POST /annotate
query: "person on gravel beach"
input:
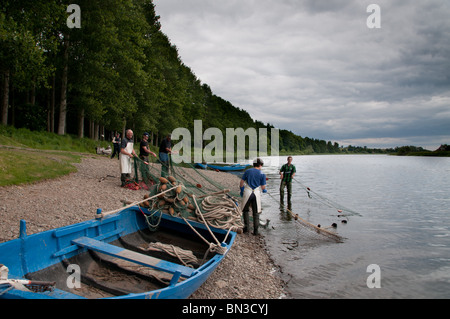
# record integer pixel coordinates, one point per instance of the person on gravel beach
(164, 150)
(126, 155)
(144, 150)
(116, 145)
(253, 182)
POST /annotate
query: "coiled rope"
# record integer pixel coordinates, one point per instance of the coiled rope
(186, 257)
(222, 212)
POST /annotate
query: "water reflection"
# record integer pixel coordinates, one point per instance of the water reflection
(404, 227)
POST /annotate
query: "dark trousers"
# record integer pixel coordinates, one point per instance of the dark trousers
(116, 150)
(251, 201)
(288, 185)
(165, 161)
(144, 158)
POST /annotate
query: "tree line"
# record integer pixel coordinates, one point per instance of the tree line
(117, 70)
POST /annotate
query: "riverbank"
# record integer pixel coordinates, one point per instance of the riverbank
(247, 271)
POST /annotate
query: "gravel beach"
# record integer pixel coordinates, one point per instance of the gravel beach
(246, 273)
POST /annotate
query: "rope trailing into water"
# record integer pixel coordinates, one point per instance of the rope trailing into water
(324, 233)
(328, 202)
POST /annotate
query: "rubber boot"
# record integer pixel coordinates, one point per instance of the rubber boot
(255, 224)
(246, 221)
(123, 179)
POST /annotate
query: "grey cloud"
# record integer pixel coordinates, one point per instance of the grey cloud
(314, 67)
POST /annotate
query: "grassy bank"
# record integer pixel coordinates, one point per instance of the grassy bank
(22, 166)
(28, 157)
(47, 141)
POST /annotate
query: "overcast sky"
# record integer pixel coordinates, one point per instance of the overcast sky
(315, 68)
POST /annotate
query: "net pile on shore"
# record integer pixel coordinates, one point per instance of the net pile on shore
(194, 198)
(202, 199)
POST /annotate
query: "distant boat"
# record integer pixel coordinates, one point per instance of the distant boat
(225, 167)
(113, 259)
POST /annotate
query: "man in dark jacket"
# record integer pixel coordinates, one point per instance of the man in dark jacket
(165, 149)
(144, 149)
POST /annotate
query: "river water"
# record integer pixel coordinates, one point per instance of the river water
(398, 219)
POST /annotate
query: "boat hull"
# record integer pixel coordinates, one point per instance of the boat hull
(30, 256)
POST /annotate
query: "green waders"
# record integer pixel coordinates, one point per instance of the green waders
(288, 185)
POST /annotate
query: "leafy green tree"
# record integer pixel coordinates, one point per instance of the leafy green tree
(22, 52)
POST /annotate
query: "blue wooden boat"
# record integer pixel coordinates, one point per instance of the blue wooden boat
(106, 256)
(224, 168)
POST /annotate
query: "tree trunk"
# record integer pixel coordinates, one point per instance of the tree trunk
(5, 97)
(52, 105)
(124, 128)
(91, 129)
(63, 105)
(33, 95)
(12, 104)
(81, 124)
(95, 131)
(48, 111)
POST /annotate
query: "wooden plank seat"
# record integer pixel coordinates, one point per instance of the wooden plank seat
(115, 251)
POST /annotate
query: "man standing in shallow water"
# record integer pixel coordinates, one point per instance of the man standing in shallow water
(287, 173)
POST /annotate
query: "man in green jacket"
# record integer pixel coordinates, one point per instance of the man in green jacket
(287, 173)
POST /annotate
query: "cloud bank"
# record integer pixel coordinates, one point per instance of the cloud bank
(315, 68)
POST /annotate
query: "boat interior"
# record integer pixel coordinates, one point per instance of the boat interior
(104, 272)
